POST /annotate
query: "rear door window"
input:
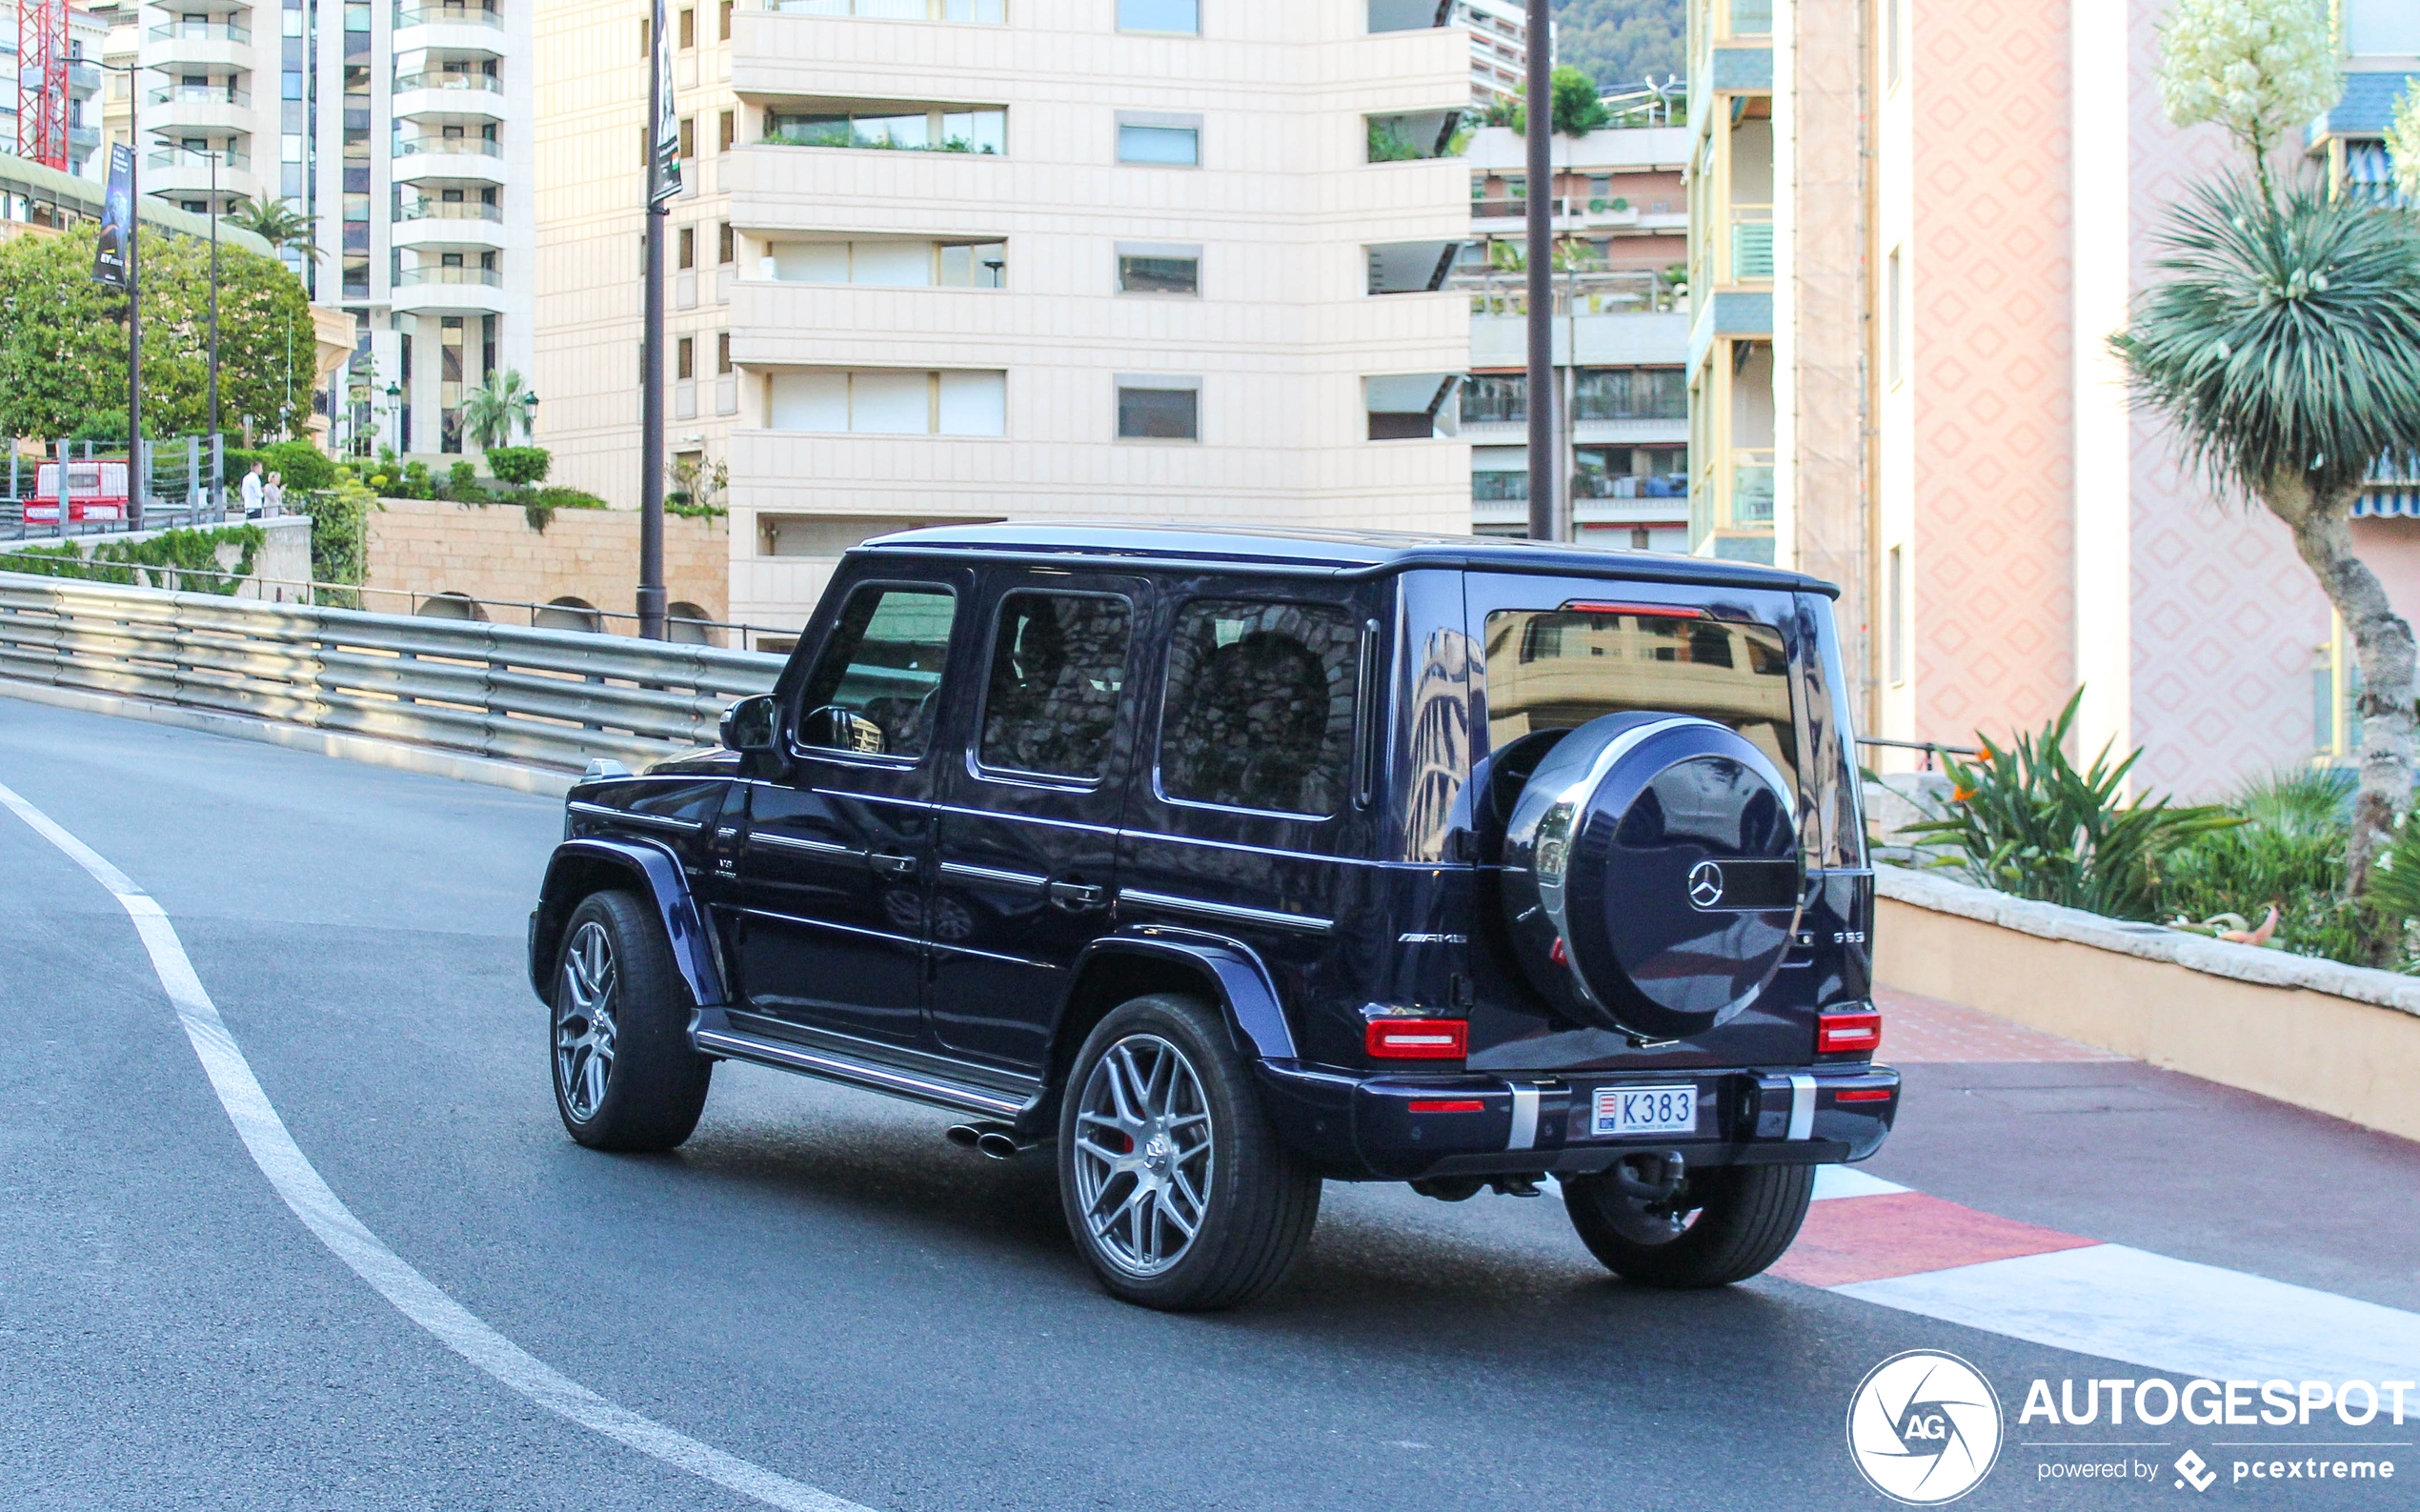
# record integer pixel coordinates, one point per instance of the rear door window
(1059, 667)
(1558, 669)
(1259, 705)
(876, 688)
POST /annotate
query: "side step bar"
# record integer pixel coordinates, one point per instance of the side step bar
(942, 1092)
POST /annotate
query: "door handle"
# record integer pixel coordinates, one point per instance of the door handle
(892, 864)
(1077, 898)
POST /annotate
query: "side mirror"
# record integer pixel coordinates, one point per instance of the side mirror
(748, 725)
(833, 727)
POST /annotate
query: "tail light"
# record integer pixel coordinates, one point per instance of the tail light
(1418, 1039)
(1861, 1094)
(1449, 1105)
(1846, 1034)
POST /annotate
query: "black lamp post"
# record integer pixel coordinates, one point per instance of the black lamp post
(395, 412)
(1538, 121)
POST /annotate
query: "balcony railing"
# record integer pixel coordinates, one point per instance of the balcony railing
(200, 94)
(446, 15)
(479, 83)
(186, 158)
(1751, 242)
(450, 209)
(1752, 486)
(1600, 291)
(447, 146)
(412, 277)
(1743, 19)
(983, 132)
(986, 13)
(202, 31)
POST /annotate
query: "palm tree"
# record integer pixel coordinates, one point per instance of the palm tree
(493, 410)
(2283, 348)
(275, 222)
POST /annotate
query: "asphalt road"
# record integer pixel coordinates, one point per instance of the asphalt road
(817, 1282)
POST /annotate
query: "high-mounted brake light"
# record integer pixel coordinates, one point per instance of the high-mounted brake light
(1590, 606)
(1418, 1039)
(1842, 1032)
(1861, 1094)
(1450, 1106)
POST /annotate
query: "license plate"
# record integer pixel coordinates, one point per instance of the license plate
(1646, 1110)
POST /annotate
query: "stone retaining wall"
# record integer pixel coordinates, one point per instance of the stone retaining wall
(489, 552)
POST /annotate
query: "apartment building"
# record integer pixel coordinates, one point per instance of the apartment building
(1621, 333)
(1901, 380)
(405, 130)
(82, 34)
(956, 259)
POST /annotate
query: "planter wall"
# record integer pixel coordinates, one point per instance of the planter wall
(2338, 1040)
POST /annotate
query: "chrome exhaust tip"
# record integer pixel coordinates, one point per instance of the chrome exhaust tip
(999, 1140)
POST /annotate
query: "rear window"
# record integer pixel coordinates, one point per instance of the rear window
(1558, 669)
(1259, 706)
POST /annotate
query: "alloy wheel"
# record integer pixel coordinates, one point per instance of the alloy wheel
(1143, 1155)
(584, 1020)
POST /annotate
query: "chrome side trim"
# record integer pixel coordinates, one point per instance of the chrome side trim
(794, 842)
(606, 810)
(958, 872)
(1801, 1107)
(1524, 1118)
(832, 1067)
(1306, 923)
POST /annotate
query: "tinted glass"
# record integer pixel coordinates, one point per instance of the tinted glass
(1159, 15)
(1158, 275)
(1557, 670)
(1179, 145)
(1058, 664)
(1259, 706)
(883, 665)
(1159, 414)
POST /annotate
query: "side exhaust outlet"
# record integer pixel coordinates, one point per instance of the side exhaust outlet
(997, 1140)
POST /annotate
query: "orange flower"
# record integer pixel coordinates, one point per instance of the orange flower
(1961, 794)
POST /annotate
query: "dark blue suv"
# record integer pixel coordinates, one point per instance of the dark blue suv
(1225, 862)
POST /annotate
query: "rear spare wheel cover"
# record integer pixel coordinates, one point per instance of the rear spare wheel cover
(1651, 874)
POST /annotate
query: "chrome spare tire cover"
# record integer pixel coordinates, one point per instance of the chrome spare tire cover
(1651, 876)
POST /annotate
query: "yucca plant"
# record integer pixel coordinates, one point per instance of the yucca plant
(2024, 819)
(2289, 854)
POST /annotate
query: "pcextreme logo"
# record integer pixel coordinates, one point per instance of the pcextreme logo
(1924, 1427)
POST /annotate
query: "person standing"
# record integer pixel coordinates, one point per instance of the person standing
(273, 496)
(253, 487)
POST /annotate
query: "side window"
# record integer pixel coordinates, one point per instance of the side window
(1058, 664)
(875, 689)
(1259, 706)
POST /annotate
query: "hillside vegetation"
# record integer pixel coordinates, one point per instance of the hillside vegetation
(1618, 42)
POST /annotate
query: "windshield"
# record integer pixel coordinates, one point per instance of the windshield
(1558, 669)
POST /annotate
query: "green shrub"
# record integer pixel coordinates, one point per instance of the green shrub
(2024, 821)
(186, 560)
(461, 485)
(301, 466)
(340, 541)
(538, 505)
(519, 465)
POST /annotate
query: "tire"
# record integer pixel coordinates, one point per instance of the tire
(1149, 1074)
(625, 1076)
(1745, 1217)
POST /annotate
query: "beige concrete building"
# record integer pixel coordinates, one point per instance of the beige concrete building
(1117, 258)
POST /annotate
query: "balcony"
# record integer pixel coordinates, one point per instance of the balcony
(448, 224)
(468, 96)
(471, 159)
(452, 29)
(203, 31)
(217, 109)
(179, 157)
(976, 130)
(451, 290)
(1743, 20)
(84, 79)
(986, 13)
(1414, 136)
(1749, 246)
(1408, 15)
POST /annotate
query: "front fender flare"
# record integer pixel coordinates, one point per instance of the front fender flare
(1251, 998)
(652, 872)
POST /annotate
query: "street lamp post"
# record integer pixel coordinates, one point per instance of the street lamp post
(1538, 122)
(217, 450)
(134, 479)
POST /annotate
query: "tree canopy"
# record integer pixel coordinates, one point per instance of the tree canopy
(63, 340)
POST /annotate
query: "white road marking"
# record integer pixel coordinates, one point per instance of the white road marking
(2165, 1314)
(417, 1298)
(1841, 1180)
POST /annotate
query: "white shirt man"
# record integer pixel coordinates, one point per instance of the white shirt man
(251, 493)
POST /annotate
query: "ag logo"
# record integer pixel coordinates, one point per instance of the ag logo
(1924, 1427)
(1705, 884)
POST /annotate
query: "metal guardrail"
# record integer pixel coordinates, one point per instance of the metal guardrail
(550, 698)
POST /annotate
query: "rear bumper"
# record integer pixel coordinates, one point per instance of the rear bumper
(1396, 1127)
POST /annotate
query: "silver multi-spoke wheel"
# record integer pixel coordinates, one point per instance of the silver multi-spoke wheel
(1143, 1155)
(584, 1020)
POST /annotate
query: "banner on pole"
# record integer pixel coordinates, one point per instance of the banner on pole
(666, 166)
(118, 219)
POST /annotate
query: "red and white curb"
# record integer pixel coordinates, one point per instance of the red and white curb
(1882, 1242)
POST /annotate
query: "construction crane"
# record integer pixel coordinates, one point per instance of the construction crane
(42, 82)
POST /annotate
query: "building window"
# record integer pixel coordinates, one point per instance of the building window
(722, 351)
(890, 402)
(1630, 393)
(689, 247)
(983, 131)
(689, 29)
(1168, 141)
(723, 243)
(960, 264)
(685, 358)
(728, 132)
(1144, 270)
(1157, 409)
(1894, 603)
(1180, 16)
(688, 136)
(1894, 322)
(725, 33)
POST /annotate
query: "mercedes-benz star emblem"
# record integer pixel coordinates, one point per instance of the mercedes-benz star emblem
(1705, 884)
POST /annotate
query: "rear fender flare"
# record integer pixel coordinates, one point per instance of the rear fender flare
(1250, 998)
(652, 871)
